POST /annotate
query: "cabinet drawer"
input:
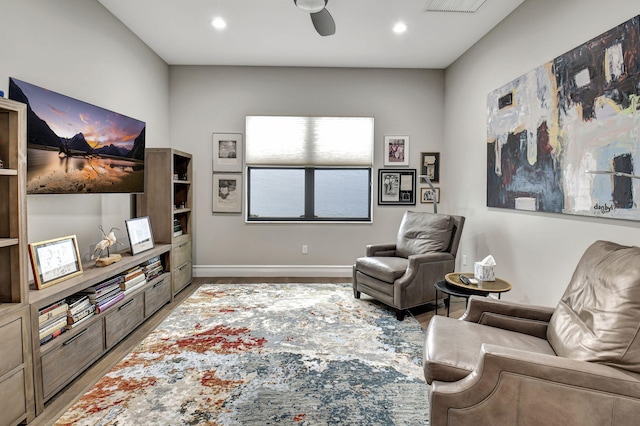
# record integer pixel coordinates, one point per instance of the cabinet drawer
(123, 319)
(11, 348)
(65, 362)
(181, 277)
(13, 404)
(157, 295)
(181, 253)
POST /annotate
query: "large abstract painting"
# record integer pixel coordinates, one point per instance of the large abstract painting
(565, 137)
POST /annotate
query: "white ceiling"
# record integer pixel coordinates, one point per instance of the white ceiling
(277, 33)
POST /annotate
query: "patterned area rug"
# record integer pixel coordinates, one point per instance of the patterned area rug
(262, 354)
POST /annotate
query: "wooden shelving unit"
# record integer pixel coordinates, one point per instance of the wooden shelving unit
(16, 379)
(168, 200)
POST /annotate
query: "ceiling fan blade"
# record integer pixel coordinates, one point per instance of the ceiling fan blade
(323, 23)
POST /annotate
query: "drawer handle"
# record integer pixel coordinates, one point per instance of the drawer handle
(75, 337)
(182, 267)
(158, 284)
(182, 245)
(125, 305)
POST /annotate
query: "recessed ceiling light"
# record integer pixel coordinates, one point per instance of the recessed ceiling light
(218, 23)
(399, 28)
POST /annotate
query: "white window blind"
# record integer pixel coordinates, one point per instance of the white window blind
(309, 141)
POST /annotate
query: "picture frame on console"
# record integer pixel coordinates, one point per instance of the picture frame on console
(140, 234)
(397, 187)
(55, 260)
(227, 152)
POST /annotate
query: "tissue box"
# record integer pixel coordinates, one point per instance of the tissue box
(484, 272)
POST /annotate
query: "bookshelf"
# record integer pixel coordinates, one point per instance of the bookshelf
(16, 381)
(59, 361)
(168, 202)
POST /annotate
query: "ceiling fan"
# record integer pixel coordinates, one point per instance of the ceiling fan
(320, 16)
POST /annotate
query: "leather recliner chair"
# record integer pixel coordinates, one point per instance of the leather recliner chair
(504, 363)
(402, 274)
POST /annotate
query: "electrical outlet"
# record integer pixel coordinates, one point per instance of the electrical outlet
(464, 260)
(305, 249)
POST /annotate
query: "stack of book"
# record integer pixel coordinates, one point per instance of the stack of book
(80, 309)
(177, 228)
(132, 279)
(106, 294)
(52, 321)
(152, 268)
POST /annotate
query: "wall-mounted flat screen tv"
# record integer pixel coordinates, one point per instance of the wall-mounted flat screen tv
(76, 148)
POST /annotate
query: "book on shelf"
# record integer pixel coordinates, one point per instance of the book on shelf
(52, 336)
(71, 319)
(154, 273)
(101, 287)
(133, 282)
(62, 322)
(154, 259)
(97, 299)
(48, 324)
(132, 273)
(51, 306)
(80, 321)
(109, 303)
(53, 313)
(153, 265)
(132, 288)
(79, 308)
(76, 300)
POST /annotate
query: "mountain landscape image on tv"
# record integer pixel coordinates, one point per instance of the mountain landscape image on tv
(75, 147)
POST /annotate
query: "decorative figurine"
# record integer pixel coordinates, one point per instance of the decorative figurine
(105, 244)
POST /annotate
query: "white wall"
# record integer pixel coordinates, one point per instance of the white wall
(536, 252)
(77, 48)
(208, 99)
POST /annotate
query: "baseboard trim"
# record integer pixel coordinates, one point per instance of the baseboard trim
(272, 270)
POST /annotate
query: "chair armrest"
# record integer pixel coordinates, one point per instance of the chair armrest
(417, 260)
(381, 250)
(528, 319)
(519, 384)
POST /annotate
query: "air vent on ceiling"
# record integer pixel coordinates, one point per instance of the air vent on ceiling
(463, 6)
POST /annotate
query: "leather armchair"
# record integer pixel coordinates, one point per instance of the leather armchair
(402, 274)
(576, 364)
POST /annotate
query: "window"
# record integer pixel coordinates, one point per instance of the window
(309, 168)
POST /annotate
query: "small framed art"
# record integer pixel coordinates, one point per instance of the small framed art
(227, 193)
(397, 187)
(227, 152)
(140, 234)
(396, 150)
(55, 260)
(430, 166)
(429, 196)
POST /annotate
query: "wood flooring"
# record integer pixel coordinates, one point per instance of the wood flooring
(59, 404)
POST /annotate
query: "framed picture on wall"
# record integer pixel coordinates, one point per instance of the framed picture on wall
(227, 152)
(397, 187)
(396, 150)
(428, 196)
(430, 166)
(227, 193)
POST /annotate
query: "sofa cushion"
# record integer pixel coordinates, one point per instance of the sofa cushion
(598, 317)
(422, 232)
(453, 347)
(387, 269)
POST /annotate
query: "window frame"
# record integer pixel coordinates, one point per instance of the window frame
(309, 197)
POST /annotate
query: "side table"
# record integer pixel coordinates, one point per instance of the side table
(452, 286)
